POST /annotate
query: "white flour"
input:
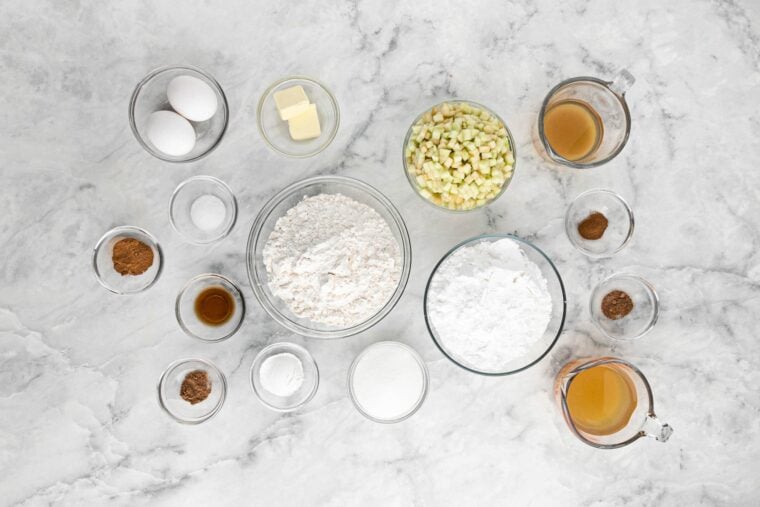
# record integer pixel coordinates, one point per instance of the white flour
(333, 260)
(489, 304)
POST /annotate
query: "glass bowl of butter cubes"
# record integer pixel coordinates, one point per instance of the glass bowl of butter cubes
(298, 116)
(459, 156)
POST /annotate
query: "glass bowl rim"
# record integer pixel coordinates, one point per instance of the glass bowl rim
(628, 211)
(414, 183)
(264, 214)
(285, 346)
(333, 101)
(136, 93)
(173, 365)
(649, 288)
(495, 236)
(425, 382)
(193, 281)
(112, 232)
(213, 179)
(556, 158)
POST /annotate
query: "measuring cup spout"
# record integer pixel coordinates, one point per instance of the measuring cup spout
(656, 429)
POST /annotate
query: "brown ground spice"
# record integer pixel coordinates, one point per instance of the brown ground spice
(195, 387)
(131, 257)
(616, 305)
(593, 226)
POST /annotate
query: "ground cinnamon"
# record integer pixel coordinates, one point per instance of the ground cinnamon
(616, 305)
(131, 257)
(593, 226)
(195, 387)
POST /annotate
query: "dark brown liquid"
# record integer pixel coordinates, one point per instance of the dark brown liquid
(573, 129)
(214, 306)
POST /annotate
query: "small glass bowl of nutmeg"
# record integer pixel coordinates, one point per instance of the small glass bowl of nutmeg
(599, 223)
(127, 260)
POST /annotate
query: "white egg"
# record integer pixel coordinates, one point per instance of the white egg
(171, 133)
(192, 98)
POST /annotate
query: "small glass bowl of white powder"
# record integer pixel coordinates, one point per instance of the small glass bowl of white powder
(328, 257)
(284, 376)
(203, 209)
(495, 304)
(388, 382)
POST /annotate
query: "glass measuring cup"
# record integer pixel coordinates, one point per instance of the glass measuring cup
(605, 102)
(642, 421)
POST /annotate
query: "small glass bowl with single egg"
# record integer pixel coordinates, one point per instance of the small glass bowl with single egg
(178, 113)
(203, 210)
(277, 132)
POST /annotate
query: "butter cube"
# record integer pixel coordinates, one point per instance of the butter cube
(305, 125)
(291, 102)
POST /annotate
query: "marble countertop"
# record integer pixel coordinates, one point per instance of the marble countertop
(79, 418)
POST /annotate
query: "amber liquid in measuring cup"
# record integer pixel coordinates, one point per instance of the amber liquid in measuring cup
(573, 129)
(601, 400)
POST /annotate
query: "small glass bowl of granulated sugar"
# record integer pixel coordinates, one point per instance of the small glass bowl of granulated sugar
(203, 209)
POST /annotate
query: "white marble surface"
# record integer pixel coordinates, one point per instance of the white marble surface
(79, 420)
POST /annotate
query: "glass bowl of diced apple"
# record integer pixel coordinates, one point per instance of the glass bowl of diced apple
(459, 155)
(298, 116)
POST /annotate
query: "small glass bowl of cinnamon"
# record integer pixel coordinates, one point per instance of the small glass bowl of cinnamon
(192, 390)
(624, 306)
(599, 223)
(127, 260)
(210, 308)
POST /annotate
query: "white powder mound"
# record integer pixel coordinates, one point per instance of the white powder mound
(489, 304)
(333, 260)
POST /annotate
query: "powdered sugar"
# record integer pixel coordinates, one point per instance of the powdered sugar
(489, 304)
(333, 260)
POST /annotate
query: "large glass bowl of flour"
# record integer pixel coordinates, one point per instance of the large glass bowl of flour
(495, 304)
(333, 191)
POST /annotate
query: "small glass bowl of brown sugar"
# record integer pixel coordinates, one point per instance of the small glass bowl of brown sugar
(127, 260)
(192, 390)
(210, 308)
(624, 306)
(599, 223)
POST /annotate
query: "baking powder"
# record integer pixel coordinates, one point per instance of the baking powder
(489, 304)
(333, 260)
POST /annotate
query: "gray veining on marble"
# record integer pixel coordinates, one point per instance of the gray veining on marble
(79, 419)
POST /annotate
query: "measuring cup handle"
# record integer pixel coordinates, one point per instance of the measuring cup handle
(622, 82)
(656, 429)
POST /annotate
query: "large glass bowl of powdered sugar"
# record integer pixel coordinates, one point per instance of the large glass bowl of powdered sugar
(495, 304)
(328, 257)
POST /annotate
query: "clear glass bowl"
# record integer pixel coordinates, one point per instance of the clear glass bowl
(102, 261)
(284, 201)
(559, 307)
(189, 321)
(310, 378)
(169, 391)
(413, 409)
(275, 131)
(181, 203)
(619, 228)
(150, 96)
(643, 317)
(411, 179)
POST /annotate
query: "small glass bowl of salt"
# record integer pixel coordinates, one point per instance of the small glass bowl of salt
(203, 209)
(284, 376)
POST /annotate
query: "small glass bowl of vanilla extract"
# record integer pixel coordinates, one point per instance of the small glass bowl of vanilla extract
(210, 308)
